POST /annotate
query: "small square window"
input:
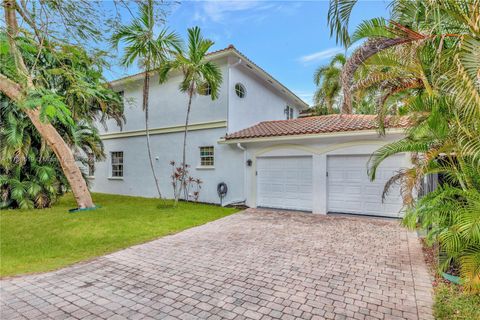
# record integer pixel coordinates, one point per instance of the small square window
(117, 164)
(91, 164)
(207, 156)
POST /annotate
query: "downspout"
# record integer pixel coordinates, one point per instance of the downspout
(239, 146)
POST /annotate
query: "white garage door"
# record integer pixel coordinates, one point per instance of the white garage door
(351, 191)
(285, 183)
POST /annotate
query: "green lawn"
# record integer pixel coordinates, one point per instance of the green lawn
(42, 240)
(453, 304)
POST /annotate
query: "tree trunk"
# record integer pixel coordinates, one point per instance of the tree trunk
(182, 180)
(367, 50)
(47, 131)
(146, 89)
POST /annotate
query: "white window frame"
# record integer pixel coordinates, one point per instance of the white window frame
(289, 111)
(204, 163)
(237, 92)
(122, 164)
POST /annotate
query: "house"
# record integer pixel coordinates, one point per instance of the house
(252, 140)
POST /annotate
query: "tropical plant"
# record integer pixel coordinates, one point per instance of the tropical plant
(198, 73)
(151, 51)
(72, 97)
(424, 62)
(53, 28)
(327, 80)
(191, 186)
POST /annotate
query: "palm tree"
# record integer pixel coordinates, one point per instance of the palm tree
(15, 91)
(426, 57)
(198, 73)
(151, 51)
(327, 80)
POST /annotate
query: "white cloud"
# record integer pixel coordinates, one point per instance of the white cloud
(321, 55)
(217, 10)
(225, 10)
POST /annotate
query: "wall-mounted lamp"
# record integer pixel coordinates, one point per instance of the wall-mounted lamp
(249, 162)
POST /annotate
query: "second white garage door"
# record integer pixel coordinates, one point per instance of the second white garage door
(351, 191)
(285, 183)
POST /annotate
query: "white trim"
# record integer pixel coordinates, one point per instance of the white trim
(252, 66)
(205, 168)
(115, 178)
(165, 130)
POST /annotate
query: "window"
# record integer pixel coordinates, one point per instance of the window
(206, 157)
(117, 164)
(289, 112)
(205, 90)
(240, 90)
(91, 164)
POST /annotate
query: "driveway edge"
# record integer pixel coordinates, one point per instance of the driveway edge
(421, 277)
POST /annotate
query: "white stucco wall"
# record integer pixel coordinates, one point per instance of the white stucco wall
(261, 103)
(138, 180)
(319, 149)
(167, 112)
(167, 105)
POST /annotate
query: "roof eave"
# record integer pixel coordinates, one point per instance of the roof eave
(309, 136)
(218, 55)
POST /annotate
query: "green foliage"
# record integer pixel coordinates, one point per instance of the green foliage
(451, 216)
(425, 64)
(70, 94)
(51, 106)
(141, 43)
(327, 80)
(47, 239)
(197, 72)
(30, 176)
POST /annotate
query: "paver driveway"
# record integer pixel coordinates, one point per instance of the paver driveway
(257, 265)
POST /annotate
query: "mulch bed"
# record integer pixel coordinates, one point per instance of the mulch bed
(431, 259)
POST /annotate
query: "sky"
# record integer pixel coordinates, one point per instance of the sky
(288, 39)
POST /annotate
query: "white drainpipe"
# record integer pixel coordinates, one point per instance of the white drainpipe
(239, 146)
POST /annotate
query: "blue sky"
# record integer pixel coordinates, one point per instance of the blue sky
(289, 39)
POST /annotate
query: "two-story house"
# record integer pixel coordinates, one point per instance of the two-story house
(251, 140)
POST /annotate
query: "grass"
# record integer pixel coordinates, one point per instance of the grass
(48, 239)
(451, 303)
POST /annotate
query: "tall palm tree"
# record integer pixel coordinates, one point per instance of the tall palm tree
(150, 51)
(198, 73)
(427, 56)
(327, 80)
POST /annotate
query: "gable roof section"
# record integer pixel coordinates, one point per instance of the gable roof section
(231, 50)
(316, 125)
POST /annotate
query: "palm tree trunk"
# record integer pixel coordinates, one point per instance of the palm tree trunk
(146, 89)
(367, 50)
(47, 131)
(182, 179)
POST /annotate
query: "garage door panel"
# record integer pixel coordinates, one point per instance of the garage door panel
(285, 182)
(351, 191)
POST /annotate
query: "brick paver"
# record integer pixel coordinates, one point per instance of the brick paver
(258, 264)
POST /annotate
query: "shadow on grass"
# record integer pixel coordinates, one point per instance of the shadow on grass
(167, 206)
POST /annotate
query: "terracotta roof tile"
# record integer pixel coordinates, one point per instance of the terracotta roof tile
(315, 125)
